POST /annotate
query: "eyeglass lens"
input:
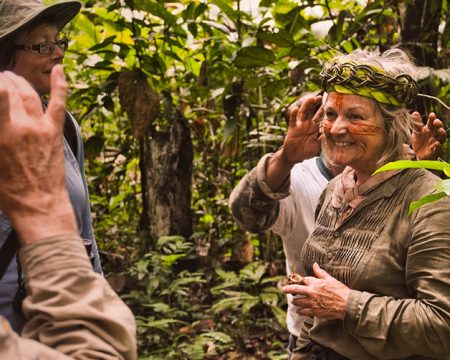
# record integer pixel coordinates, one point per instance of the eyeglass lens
(48, 47)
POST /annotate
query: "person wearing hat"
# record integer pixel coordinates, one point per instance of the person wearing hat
(72, 312)
(30, 46)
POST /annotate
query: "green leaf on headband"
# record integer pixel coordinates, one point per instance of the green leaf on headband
(383, 97)
(342, 89)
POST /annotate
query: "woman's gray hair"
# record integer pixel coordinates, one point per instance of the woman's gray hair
(397, 119)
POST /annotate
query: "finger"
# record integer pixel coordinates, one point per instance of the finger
(302, 302)
(4, 101)
(295, 290)
(431, 118)
(305, 312)
(294, 104)
(439, 131)
(417, 123)
(309, 108)
(318, 116)
(441, 135)
(58, 95)
(319, 272)
(293, 117)
(26, 94)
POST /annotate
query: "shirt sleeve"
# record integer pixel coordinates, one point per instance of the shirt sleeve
(419, 325)
(253, 204)
(72, 309)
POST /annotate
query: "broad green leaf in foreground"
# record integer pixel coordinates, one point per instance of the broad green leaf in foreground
(443, 187)
(411, 164)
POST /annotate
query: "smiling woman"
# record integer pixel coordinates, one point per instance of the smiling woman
(376, 278)
(354, 133)
(375, 274)
(31, 62)
(30, 46)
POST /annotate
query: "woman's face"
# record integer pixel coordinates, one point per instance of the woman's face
(36, 67)
(354, 131)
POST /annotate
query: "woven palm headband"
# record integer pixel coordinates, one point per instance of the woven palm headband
(349, 77)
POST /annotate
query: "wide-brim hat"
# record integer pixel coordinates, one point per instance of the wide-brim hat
(16, 14)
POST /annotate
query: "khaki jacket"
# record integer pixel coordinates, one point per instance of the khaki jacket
(397, 266)
(72, 312)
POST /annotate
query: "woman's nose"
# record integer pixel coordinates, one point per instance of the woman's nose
(339, 126)
(58, 53)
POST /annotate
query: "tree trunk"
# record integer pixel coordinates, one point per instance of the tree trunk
(166, 156)
(166, 170)
(419, 29)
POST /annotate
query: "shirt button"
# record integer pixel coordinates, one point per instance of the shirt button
(330, 255)
(336, 234)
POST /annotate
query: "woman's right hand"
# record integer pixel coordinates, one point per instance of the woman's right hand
(302, 139)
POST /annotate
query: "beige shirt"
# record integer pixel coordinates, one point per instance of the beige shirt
(72, 312)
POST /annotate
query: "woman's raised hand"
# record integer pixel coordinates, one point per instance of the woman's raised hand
(302, 139)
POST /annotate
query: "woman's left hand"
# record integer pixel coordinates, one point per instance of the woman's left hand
(321, 295)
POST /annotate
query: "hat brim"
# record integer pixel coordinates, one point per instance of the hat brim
(61, 13)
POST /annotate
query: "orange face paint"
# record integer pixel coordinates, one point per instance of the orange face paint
(359, 129)
(354, 129)
(338, 100)
(326, 126)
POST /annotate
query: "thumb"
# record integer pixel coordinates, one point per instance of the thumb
(58, 96)
(319, 272)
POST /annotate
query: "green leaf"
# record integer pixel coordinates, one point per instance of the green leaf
(201, 8)
(218, 336)
(279, 314)
(253, 56)
(104, 43)
(252, 272)
(411, 164)
(226, 9)
(425, 200)
(159, 11)
(443, 186)
(281, 38)
(340, 24)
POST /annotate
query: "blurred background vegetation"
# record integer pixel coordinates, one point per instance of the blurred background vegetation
(177, 100)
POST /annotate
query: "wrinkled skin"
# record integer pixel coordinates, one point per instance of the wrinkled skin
(32, 162)
(427, 140)
(35, 67)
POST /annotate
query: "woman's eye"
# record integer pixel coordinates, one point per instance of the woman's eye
(330, 114)
(354, 117)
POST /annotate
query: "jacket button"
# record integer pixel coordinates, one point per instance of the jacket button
(336, 234)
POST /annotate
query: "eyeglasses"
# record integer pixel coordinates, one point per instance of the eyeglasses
(46, 47)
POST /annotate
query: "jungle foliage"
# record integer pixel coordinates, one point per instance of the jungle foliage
(149, 76)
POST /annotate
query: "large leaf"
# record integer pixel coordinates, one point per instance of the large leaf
(410, 164)
(253, 56)
(425, 200)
